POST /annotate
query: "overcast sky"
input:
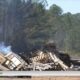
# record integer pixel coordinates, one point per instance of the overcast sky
(72, 6)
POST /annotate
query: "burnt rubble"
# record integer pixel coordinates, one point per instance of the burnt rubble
(49, 58)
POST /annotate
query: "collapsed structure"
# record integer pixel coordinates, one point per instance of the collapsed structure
(49, 58)
(11, 61)
(52, 58)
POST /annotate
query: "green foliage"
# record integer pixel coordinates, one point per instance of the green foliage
(27, 25)
(55, 10)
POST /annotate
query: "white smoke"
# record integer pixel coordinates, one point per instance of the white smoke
(5, 49)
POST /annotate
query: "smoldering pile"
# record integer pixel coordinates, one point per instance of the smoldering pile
(49, 58)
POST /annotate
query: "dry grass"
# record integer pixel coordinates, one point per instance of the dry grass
(43, 78)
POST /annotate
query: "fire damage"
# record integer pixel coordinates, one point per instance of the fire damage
(46, 59)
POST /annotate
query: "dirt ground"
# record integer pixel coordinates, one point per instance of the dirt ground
(43, 78)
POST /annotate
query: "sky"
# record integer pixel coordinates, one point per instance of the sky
(72, 6)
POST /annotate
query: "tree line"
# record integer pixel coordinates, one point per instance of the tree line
(26, 25)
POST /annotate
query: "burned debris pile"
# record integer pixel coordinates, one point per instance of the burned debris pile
(49, 58)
